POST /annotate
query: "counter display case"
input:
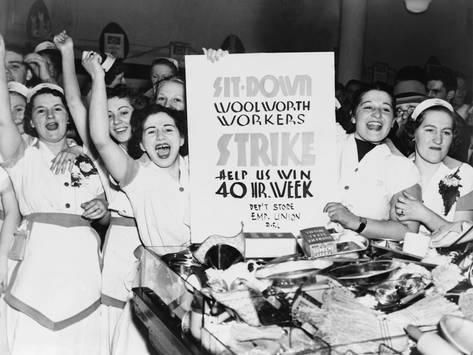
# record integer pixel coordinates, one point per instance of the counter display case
(162, 304)
(188, 309)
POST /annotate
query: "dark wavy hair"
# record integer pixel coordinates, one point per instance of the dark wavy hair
(138, 120)
(28, 127)
(369, 87)
(346, 115)
(120, 91)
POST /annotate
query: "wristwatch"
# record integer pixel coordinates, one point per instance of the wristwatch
(362, 226)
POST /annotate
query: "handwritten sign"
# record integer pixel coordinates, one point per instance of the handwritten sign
(261, 142)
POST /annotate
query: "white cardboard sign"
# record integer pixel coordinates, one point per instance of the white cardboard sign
(261, 142)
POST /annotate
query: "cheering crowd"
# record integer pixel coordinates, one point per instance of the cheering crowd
(80, 161)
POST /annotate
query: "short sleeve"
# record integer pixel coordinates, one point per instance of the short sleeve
(465, 201)
(466, 175)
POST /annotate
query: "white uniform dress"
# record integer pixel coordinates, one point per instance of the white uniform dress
(119, 262)
(160, 205)
(54, 292)
(4, 185)
(430, 188)
(367, 187)
(161, 208)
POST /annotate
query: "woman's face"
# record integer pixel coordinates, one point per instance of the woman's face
(49, 117)
(17, 109)
(374, 116)
(160, 72)
(161, 139)
(434, 136)
(171, 95)
(119, 115)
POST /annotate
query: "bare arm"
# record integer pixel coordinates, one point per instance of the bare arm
(115, 159)
(11, 142)
(374, 229)
(10, 223)
(463, 216)
(411, 208)
(71, 86)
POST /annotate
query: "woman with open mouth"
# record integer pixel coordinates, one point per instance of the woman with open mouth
(446, 182)
(372, 173)
(156, 184)
(53, 296)
(121, 238)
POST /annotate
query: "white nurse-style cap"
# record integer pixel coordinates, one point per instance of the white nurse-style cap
(38, 87)
(426, 104)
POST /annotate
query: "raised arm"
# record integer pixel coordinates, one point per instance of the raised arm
(10, 139)
(71, 86)
(115, 158)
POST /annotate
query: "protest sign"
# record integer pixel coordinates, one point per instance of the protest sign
(261, 142)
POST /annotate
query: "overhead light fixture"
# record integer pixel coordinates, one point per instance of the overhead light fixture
(417, 6)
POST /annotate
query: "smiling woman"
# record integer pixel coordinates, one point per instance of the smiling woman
(53, 295)
(48, 114)
(372, 173)
(156, 184)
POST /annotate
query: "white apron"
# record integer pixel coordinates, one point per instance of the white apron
(119, 265)
(58, 282)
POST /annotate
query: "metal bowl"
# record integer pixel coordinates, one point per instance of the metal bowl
(369, 273)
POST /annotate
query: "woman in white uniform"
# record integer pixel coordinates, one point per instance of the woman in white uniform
(156, 184)
(122, 235)
(54, 292)
(372, 173)
(446, 182)
(9, 220)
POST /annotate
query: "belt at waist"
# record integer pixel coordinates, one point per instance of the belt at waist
(66, 220)
(123, 221)
(60, 219)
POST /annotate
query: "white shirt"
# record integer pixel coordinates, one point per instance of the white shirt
(38, 189)
(367, 187)
(160, 205)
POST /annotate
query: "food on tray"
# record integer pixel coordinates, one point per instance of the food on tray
(387, 293)
(241, 302)
(241, 274)
(446, 277)
(428, 310)
(244, 339)
(365, 330)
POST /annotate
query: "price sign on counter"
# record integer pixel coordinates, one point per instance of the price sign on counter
(261, 142)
